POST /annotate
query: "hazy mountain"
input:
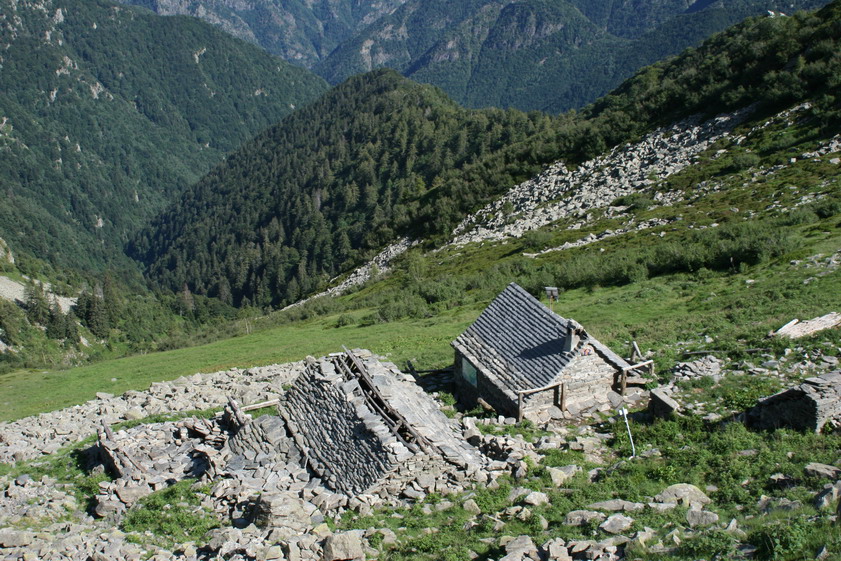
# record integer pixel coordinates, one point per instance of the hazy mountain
(301, 31)
(535, 54)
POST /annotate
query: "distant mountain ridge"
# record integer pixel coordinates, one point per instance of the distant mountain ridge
(547, 55)
(299, 31)
(535, 54)
(107, 112)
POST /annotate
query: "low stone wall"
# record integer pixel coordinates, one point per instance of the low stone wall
(812, 405)
(46, 433)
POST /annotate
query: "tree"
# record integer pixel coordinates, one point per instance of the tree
(35, 303)
(57, 322)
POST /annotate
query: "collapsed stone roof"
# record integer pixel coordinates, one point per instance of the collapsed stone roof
(522, 342)
(358, 421)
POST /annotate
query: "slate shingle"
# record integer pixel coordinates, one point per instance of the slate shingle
(524, 337)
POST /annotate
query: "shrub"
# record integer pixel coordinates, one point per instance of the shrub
(173, 514)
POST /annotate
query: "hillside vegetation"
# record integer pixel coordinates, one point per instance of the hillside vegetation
(107, 113)
(380, 157)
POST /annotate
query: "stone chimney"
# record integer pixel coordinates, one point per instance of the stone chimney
(570, 341)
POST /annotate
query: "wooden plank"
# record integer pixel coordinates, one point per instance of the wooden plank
(256, 406)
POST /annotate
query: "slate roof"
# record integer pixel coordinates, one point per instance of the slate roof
(520, 341)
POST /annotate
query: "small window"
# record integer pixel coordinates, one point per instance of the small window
(468, 372)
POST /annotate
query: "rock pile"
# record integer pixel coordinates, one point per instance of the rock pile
(381, 263)
(560, 193)
(708, 366)
(270, 477)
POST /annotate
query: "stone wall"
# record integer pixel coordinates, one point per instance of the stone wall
(813, 405)
(350, 446)
(588, 379)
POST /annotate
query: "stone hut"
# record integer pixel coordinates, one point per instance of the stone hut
(364, 427)
(519, 356)
(810, 406)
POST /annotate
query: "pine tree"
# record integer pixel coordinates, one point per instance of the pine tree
(57, 322)
(35, 303)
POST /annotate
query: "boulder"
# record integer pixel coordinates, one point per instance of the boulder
(700, 518)
(616, 505)
(344, 546)
(823, 470)
(683, 493)
(562, 474)
(616, 524)
(285, 510)
(536, 498)
(661, 405)
(15, 538)
(519, 548)
(581, 517)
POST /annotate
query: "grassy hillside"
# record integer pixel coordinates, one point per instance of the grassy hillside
(108, 112)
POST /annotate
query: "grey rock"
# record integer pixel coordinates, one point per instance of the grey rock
(616, 505)
(10, 537)
(661, 405)
(581, 517)
(562, 474)
(536, 498)
(683, 493)
(344, 546)
(816, 469)
(701, 518)
(617, 523)
(556, 550)
(472, 507)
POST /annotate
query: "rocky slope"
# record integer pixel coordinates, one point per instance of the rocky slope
(269, 506)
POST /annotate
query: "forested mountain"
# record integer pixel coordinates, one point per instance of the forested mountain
(380, 157)
(107, 112)
(315, 193)
(300, 31)
(535, 54)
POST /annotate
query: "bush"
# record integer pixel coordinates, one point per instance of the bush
(635, 201)
(711, 544)
(173, 514)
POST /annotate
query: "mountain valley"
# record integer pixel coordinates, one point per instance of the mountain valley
(684, 218)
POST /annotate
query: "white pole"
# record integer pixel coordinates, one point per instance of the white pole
(625, 416)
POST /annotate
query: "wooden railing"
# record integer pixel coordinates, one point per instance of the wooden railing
(623, 380)
(558, 399)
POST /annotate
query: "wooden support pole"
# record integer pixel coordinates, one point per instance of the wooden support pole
(255, 406)
(519, 406)
(623, 382)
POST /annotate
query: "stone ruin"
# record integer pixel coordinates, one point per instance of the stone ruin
(351, 432)
(813, 405)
